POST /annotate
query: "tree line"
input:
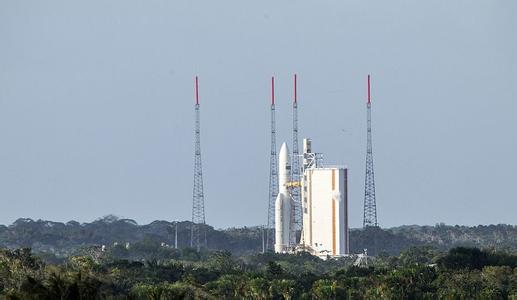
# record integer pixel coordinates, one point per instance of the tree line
(148, 270)
(64, 239)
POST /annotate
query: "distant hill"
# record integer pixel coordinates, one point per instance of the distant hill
(441, 236)
(63, 239)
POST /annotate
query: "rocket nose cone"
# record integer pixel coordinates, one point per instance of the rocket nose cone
(283, 149)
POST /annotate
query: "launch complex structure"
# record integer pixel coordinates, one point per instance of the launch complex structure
(197, 229)
(324, 203)
(370, 205)
(308, 200)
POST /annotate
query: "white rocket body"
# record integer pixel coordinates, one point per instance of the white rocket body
(284, 203)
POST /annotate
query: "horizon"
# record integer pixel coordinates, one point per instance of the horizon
(120, 218)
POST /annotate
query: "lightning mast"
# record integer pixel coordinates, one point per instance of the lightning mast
(295, 162)
(198, 197)
(273, 176)
(370, 206)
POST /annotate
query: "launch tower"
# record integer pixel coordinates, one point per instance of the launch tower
(295, 161)
(370, 206)
(273, 176)
(197, 232)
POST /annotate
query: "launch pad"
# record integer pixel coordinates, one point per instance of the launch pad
(324, 203)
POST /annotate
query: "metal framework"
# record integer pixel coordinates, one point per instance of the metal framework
(312, 160)
(295, 169)
(273, 176)
(197, 232)
(370, 206)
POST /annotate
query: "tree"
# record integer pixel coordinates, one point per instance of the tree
(274, 270)
(418, 256)
(327, 289)
(257, 288)
(497, 281)
(466, 284)
(285, 288)
(464, 258)
(226, 287)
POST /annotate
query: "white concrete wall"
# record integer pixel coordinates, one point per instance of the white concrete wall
(325, 226)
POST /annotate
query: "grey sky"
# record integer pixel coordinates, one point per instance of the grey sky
(96, 105)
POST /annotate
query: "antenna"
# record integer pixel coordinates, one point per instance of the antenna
(273, 176)
(370, 205)
(197, 91)
(198, 197)
(295, 171)
(369, 97)
(273, 90)
(295, 91)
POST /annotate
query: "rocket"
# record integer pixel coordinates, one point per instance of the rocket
(284, 203)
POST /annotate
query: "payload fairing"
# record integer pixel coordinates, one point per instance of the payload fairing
(284, 204)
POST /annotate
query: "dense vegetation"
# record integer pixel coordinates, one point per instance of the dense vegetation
(158, 272)
(115, 258)
(64, 239)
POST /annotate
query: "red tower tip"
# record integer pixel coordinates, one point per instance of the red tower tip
(369, 99)
(197, 92)
(295, 96)
(272, 90)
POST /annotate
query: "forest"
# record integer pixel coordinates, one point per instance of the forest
(113, 258)
(149, 270)
(61, 240)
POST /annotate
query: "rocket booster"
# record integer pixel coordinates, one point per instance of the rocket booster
(284, 170)
(284, 203)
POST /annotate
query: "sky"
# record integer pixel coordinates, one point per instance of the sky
(97, 106)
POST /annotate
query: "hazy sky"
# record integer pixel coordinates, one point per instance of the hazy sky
(96, 105)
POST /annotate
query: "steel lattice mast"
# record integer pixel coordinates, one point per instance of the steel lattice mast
(370, 206)
(197, 232)
(295, 162)
(273, 176)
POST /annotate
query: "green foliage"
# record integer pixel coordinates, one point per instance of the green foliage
(464, 258)
(418, 256)
(462, 273)
(226, 287)
(284, 288)
(164, 290)
(328, 289)
(473, 258)
(257, 288)
(274, 270)
(56, 241)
